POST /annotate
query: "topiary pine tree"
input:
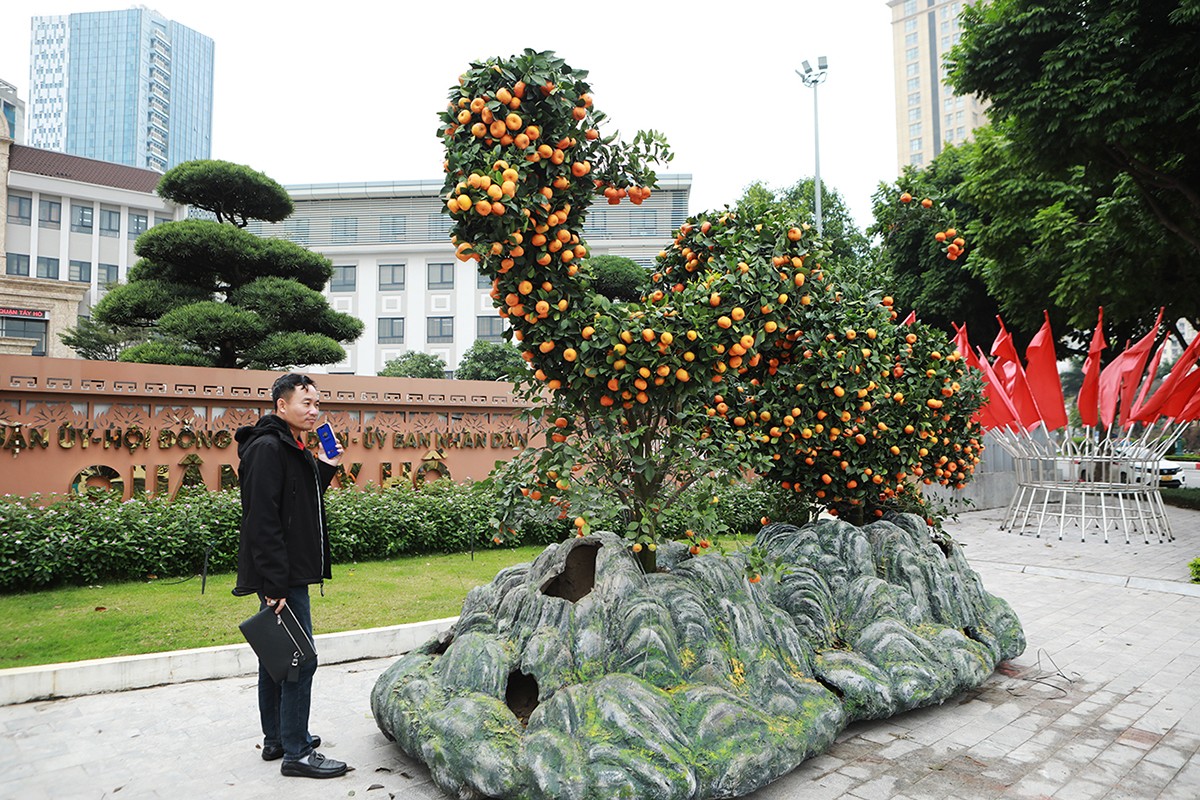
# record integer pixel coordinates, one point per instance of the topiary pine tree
(213, 294)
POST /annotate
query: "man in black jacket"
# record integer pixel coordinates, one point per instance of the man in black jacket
(285, 548)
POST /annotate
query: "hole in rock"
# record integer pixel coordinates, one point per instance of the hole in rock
(944, 544)
(578, 576)
(971, 632)
(443, 644)
(521, 695)
(837, 691)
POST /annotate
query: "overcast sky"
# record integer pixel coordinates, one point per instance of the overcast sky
(327, 92)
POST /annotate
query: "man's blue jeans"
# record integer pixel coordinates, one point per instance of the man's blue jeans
(284, 706)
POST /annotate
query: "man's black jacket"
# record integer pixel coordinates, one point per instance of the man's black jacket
(283, 541)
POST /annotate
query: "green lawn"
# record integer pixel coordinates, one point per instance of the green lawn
(76, 623)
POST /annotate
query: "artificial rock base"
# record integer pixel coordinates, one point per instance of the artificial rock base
(578, 676)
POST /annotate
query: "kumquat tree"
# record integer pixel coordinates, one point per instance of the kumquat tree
(589, 674)
(744, 353)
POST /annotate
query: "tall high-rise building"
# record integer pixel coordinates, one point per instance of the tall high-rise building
(928, 113)
(131, 87)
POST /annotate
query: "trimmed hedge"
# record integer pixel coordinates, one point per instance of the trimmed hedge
(1184, 498)
(85, 540)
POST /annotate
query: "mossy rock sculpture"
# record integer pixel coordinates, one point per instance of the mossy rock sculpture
(578, 676)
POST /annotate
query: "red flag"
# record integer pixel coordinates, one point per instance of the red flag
(963, 345)
(998, 411)
(1150, 411)
(1089, 393)
(1044, 382)
(1191, 411)
(911, 318)
(1110, 386)
(1183, 398)
(1012, 378)
(1131, 378)
(1150, 373)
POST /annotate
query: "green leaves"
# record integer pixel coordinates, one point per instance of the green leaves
(234, 192)
(414, 364)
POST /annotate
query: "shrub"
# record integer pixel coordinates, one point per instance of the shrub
(85, 540)
(1184, 498)
(617, 277)
(1194, 566)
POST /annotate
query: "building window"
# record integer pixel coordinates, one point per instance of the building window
(910, 7)
(483, 281)
(910, 40)
(345, 229)
(489, 328)
(441, 276)
(81, 218)
(137, 225)
(26, 329)
(910, 25)
(915, 144)
(914, 98)
(110, 222)
(914, 129)
(47, 267)
(49, 214)
(107, 274)
(911, 54)
(17, 264)
(80, 271)
(391, 277)
(159, 220)
(345, 279)
(912, 69)
(914, 114)
(439, 330)
(391, 330)
(393, 228)
(20, 209)
(914, 84)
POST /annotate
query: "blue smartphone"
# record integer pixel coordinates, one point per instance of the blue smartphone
(328, 440)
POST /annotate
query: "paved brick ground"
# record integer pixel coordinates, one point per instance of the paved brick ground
(1105, 703)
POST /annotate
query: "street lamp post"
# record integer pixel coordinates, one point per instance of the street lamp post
(813, 77)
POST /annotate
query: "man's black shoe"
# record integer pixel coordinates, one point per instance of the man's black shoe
(271, 752)
(313, 765)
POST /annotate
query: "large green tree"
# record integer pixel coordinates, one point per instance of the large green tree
(1109, 86)
(414, 364)
(491, 361)
(210, 293)
(919, 274)
(1068, 241)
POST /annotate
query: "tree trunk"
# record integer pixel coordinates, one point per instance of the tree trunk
(648, 559)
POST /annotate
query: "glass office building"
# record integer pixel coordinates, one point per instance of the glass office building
(129, 87)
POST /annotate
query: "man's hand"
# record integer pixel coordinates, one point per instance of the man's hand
(333, 462)
(275, 603)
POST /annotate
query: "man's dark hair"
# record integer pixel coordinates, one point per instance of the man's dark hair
(285, 385)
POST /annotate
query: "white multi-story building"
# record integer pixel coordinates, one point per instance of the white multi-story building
(928, 114)
(68, 232)
(394, 266)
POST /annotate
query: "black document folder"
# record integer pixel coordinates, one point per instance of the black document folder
(279, 642)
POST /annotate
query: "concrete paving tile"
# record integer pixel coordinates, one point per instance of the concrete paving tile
(1168, 756)
(1080, 789)
(881, 788)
